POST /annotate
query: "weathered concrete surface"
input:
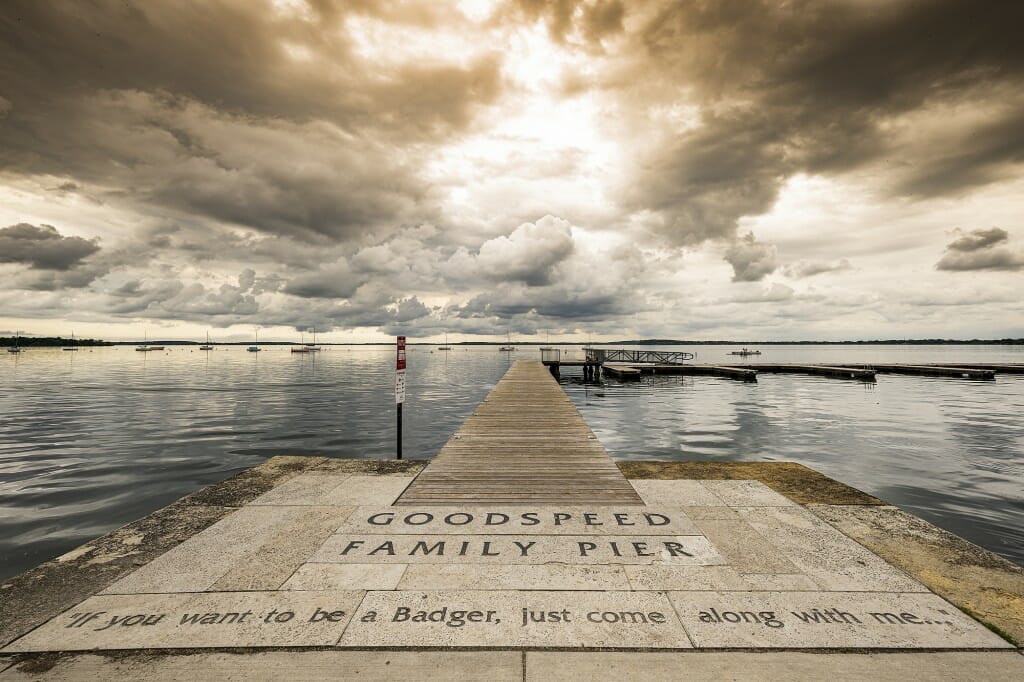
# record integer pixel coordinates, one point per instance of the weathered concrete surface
(43, 592)
(273, 666)
(266, 533)
(795, 481)
(536, 619)
(513, 666)
(207, 619)
(791, 665)
(827, 620)
(985, 585)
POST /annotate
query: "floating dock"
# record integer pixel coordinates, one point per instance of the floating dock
(313, 568)
(633, 364)
(959, 372)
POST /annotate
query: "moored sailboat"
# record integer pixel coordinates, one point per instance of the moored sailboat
(312, 347)
(302, 347)
(206, 346)
(144, 347)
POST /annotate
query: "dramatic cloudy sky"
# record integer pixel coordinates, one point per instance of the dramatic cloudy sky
(589, 168)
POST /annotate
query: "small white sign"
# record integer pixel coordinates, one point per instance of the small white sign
(399, 386)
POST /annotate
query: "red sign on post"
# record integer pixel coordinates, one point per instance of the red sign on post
(400, 372)
(400, 362)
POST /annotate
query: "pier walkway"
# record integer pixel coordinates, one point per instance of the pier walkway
(524, 444)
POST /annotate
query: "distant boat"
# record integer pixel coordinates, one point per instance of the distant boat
(304, 348)
(508, 347)
(445, 346)
(16, 348)
(256, 348)
(312, 347)
(206, 346)
(144, 347)
(72, 346)
(745, 352)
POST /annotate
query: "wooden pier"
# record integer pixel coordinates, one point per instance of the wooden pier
(524, 444)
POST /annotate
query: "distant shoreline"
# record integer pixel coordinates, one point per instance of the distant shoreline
(49, 342)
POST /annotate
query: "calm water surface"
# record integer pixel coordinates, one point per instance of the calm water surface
(95, 439)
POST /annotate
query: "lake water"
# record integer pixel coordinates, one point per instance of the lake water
(95, 439)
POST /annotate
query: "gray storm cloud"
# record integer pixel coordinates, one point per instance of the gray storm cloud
(43, 247)
(981, 250)
(751, 260)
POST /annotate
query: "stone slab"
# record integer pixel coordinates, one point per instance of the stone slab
(277, 559)
(203, 620)
(747, 494)
(831, 559)
(736, 666)
(986, 585)
(274, 666)
(496, 619)
(546, 520)
(674, 494)
(345, 577)
(719, 513)
(518, 577)
(197, 563)
(305, 489)
(808, 620)
(518, 549)
(795, 481)
(744, 548)
(665, 578)
(367, 490)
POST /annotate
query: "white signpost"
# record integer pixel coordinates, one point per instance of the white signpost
(400, 387)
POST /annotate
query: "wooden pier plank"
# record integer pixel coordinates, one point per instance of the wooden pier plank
(525, 443)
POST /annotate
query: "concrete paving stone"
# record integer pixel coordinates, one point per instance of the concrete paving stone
(535, 520)
(203, 620)
(779, 582)
(273, 666)
(304, 490)
(665, 578)
(368, 490)
(273, 562)
(806, 620)
(831, 559)
(345, 577)
(516, 577)
(717, 513)
(737, 666)
(747, 494)
(496, 619)
(518, 549)
(745, 549)
(197, 563)
(678, 493)
(988, 586)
